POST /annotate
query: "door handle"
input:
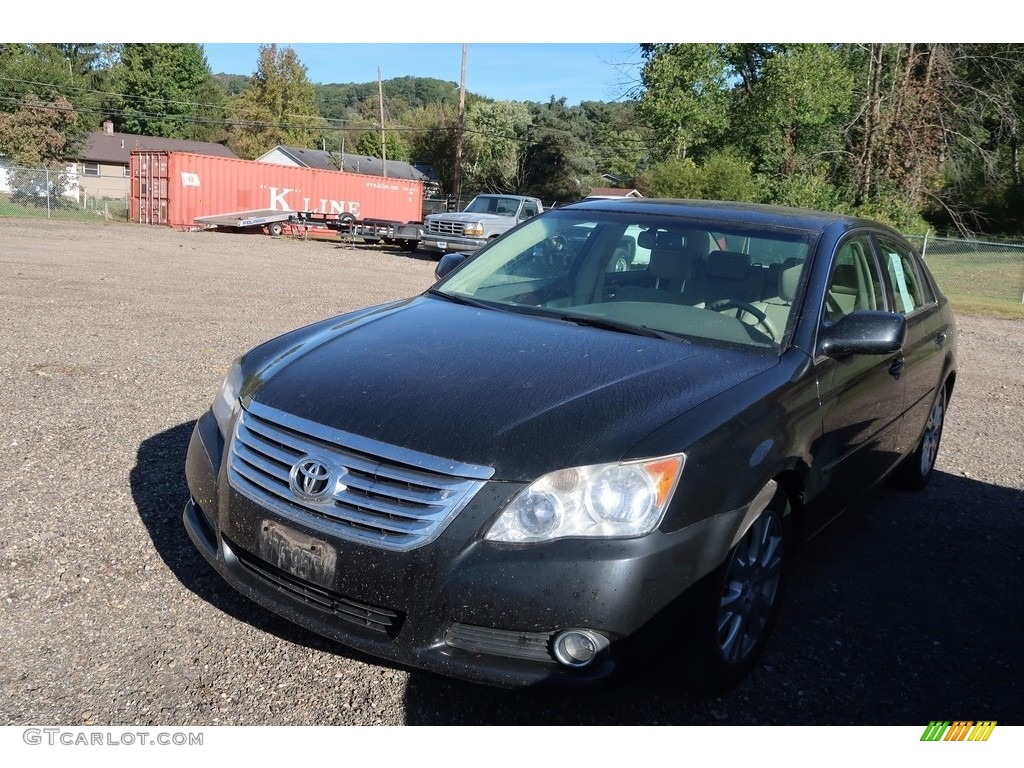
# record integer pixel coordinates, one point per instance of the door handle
(940, 340)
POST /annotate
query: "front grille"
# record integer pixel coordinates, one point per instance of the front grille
(385, 496)
(533, 646)
(450, 228)
(382, 620)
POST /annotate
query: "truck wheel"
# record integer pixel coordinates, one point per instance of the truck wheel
(410, 245)
(275, 228)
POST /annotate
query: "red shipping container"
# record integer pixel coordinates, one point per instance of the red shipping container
(173, 188)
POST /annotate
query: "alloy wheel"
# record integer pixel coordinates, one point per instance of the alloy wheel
(751, 588)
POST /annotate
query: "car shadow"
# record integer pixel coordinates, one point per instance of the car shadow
(905, 610)
(159, 490)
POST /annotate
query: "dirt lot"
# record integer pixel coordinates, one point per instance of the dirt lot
(114, 338)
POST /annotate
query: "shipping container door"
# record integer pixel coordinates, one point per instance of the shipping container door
(149, 187)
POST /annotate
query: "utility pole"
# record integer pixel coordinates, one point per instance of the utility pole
(457, 179)
(383, 150)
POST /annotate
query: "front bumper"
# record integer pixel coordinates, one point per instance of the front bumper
(453, 244)
(458, 606)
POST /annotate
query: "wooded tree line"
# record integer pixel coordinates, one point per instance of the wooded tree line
(916, 134)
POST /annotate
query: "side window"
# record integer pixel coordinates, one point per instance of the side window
(529, 209)
(855, 282)
(910, 291)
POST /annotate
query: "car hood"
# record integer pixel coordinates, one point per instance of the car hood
(468, 218)
(519, 393)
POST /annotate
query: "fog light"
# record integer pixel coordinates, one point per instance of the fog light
(578, 647)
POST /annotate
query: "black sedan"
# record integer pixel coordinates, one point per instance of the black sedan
(609, 428)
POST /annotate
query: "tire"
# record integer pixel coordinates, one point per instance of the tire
(275, 228)
(410, 246)
(740, 601)
(915, 472)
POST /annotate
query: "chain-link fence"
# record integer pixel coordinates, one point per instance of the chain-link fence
(63, 193)
(990, 272)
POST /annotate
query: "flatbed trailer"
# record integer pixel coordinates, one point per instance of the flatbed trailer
(273, 221)
(346, 225)
(383, 231)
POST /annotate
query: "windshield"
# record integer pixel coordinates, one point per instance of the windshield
(502, 206)
(654, 274)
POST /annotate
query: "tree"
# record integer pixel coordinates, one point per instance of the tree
(167, 90)
(619, 144)
(685, 101)
(722, 176)
(493, 152)
(432, 131)
(278, 107)
(557, 164)
(39, 135)
(794, 112)
(397, 145)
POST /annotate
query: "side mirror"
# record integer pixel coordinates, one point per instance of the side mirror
(447, 263)
(865, 332)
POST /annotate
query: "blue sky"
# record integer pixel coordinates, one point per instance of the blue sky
(502, 71)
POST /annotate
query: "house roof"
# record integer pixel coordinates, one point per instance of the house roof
(613, 192)
(103, 147)
(328, 161)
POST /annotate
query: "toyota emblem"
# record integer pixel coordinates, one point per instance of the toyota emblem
(311, 479)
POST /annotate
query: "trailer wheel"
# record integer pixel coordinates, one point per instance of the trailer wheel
(410, 245)
(275, 228)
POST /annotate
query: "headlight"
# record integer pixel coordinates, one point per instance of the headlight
(474, 230)
(603, 500)
(226, 403)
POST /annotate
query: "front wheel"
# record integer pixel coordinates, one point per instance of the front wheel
(740, 602)
(917, 469)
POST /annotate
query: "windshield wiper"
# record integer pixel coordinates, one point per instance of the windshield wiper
(458, 298)
(615, 325)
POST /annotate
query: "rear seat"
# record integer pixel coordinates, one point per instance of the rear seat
(728, 275)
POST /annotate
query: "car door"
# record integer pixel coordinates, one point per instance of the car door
(912, 295)
(861, 396)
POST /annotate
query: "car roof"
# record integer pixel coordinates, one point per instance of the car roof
(741, 213)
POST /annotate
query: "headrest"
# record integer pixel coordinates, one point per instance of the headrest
(669, 265)
(727, 265)
(789, 279)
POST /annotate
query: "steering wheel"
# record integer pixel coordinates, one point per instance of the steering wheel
(556, 247)
(766, 328)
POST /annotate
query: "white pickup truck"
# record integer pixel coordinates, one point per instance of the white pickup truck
(486, 217)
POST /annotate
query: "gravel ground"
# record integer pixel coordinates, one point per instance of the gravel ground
(114, 339)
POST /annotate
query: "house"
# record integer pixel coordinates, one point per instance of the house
(329, 161)
(103, 166)
(612, 193)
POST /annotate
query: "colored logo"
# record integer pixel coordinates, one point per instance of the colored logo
(958, 730)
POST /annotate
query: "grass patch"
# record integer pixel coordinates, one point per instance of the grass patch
(65, 210)
(981, 305)
(997, 276)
